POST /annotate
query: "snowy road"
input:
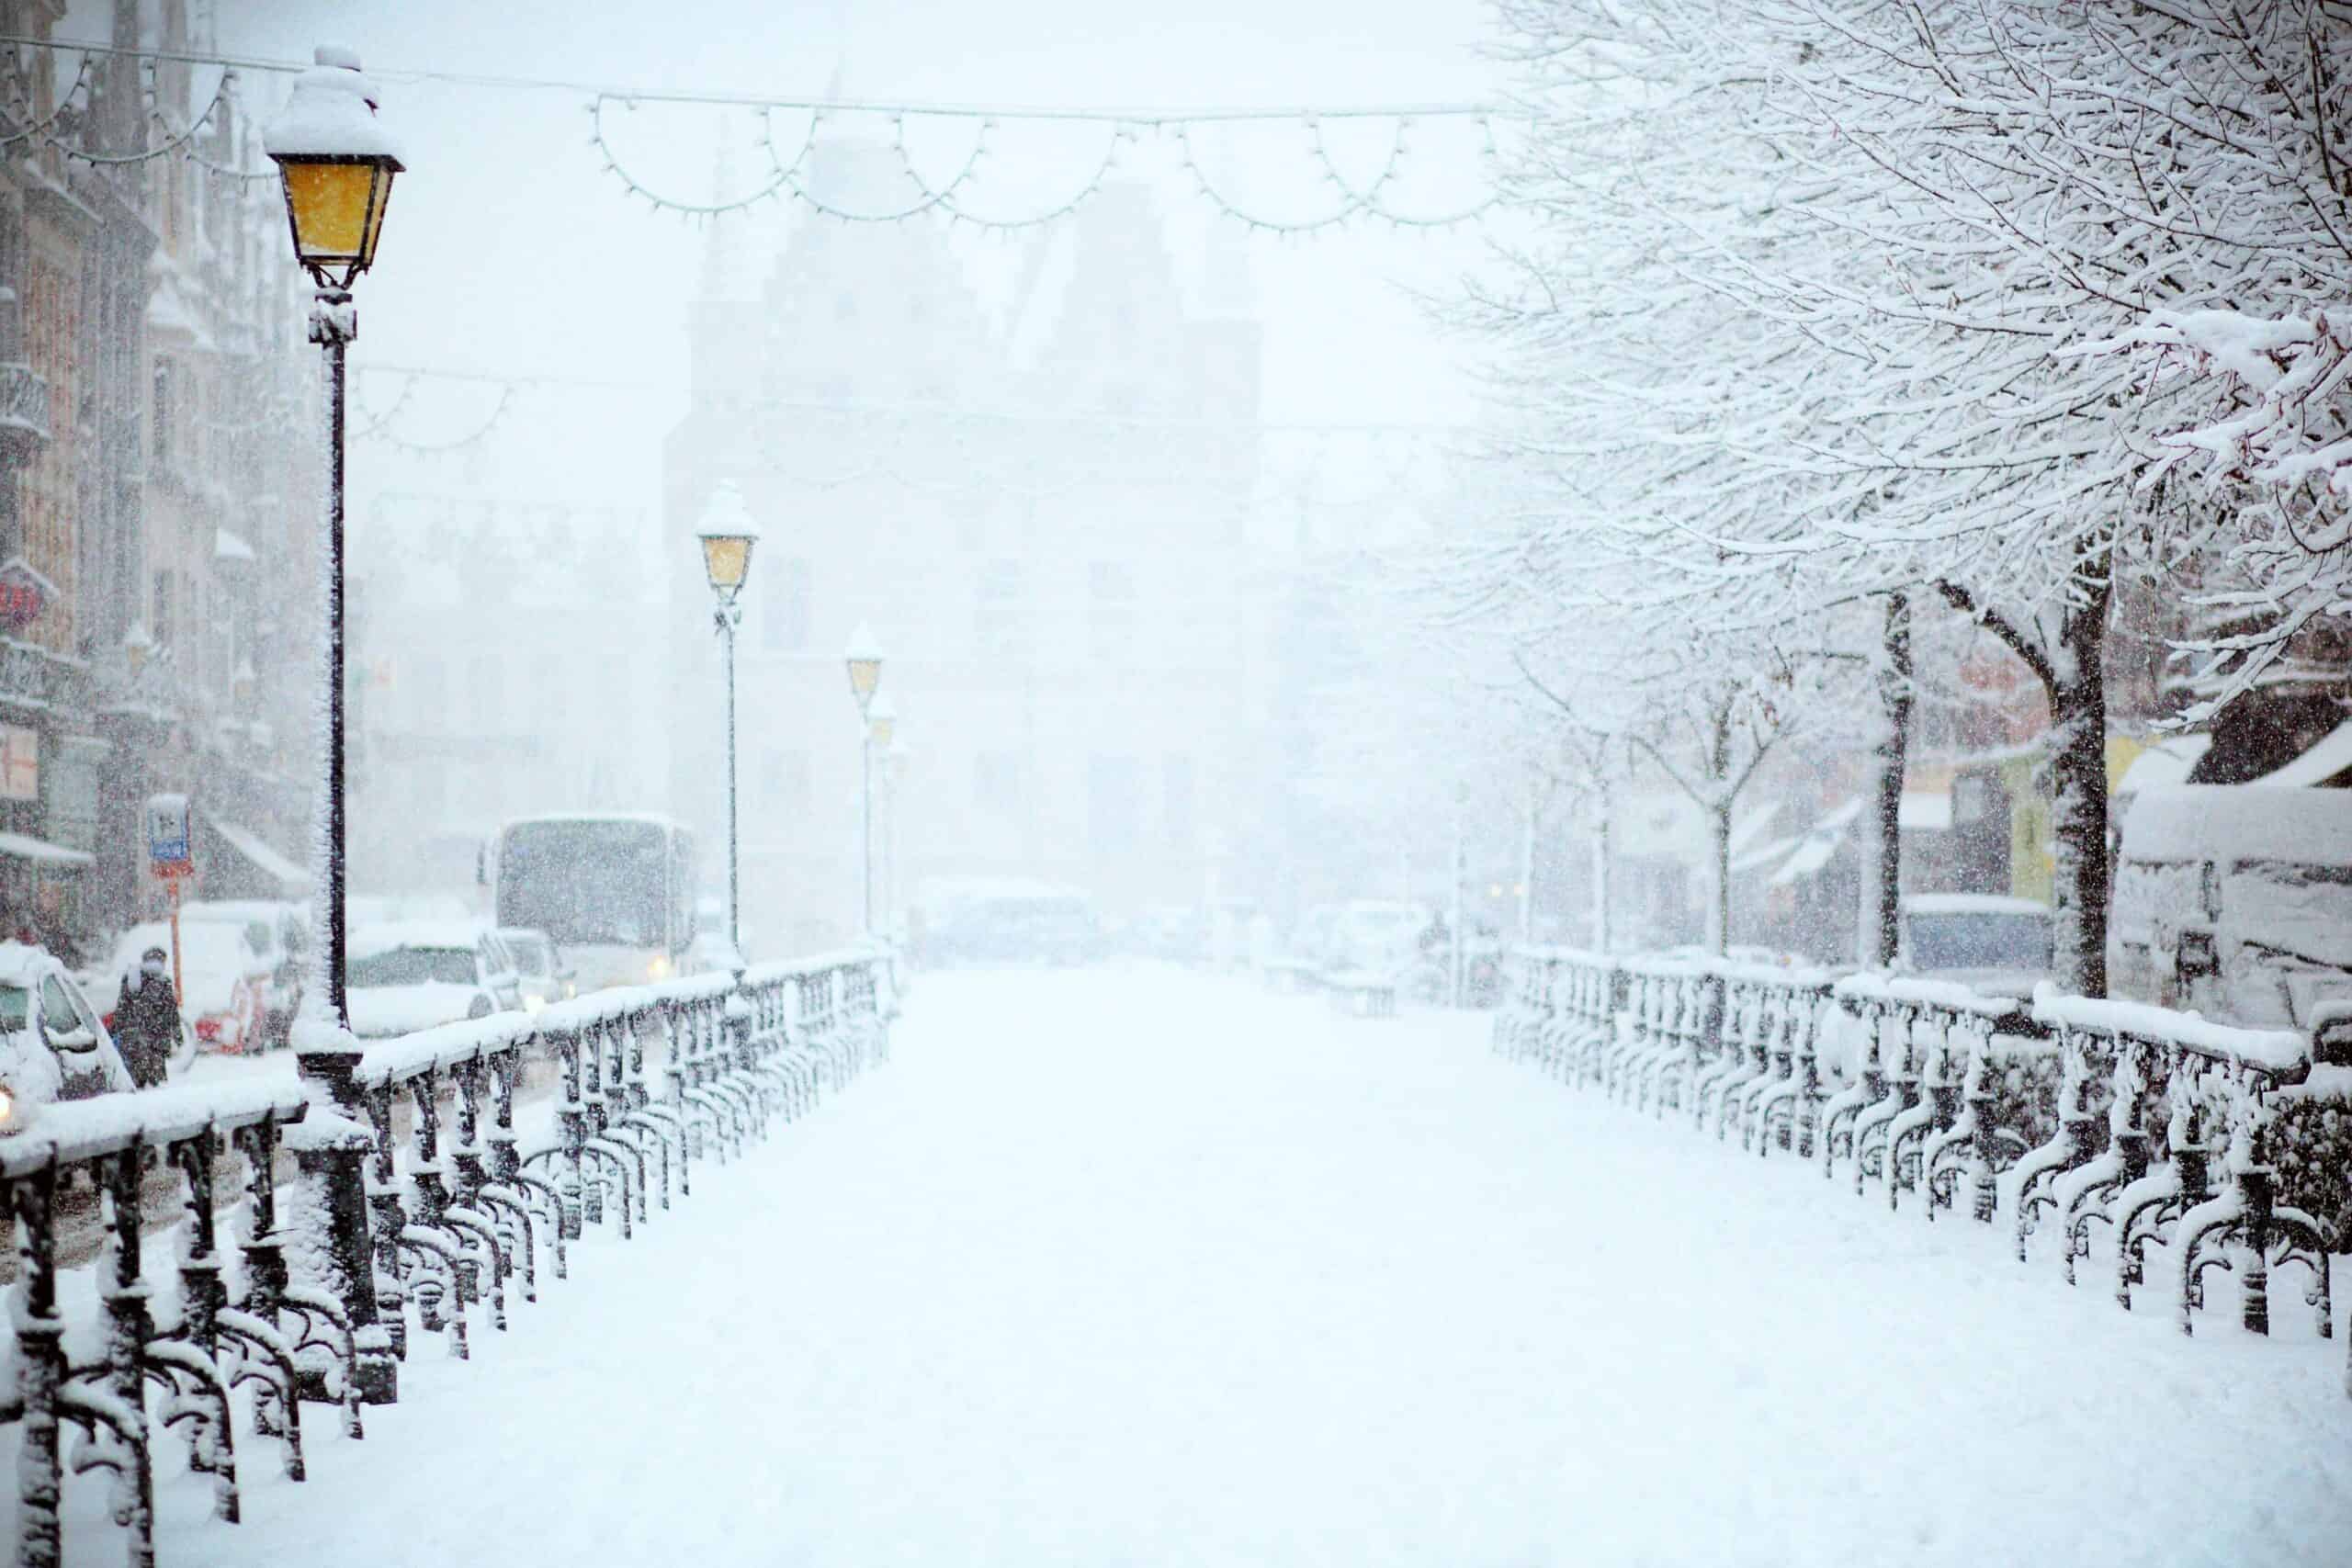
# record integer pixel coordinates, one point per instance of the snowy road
(1135, 1268)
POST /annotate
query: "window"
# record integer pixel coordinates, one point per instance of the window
(1000, 621)
(163, 413)
(429, 689)
(1111, 599)
(785, 781)
(484, 682)
(56, 1007)
(1113, 817)
(791, 596)
(996, 781)
(1176, 776)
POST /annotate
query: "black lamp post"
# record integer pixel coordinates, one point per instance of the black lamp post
(728, 535)
(337, 163)
(864, 660)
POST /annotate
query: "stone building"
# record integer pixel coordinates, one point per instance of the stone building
(159, 478)
(1037, 503)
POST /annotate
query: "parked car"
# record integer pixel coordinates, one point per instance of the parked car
(281, 933)
(412, 975)
(224, 980)
(541, 975)
(53, 1045)
(2235, 900)
(1378, 936)
(1996, 945)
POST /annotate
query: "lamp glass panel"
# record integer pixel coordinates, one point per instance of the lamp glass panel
(883, 729)
(728, 558)
(335, 210)
(865, 674)
(383, 199)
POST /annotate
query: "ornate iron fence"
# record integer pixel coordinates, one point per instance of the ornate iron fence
(2117, 1132)
(460, 1210)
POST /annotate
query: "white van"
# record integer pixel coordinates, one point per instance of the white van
(2235, 900)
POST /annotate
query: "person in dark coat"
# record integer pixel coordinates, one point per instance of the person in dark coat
(147, 1020)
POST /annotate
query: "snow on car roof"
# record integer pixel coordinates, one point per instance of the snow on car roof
(649, 818)
(1971, 903)
(2234, 823)
(23, 965)
(369, 940)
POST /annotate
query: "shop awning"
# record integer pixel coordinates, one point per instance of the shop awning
(23, 846)
(291, 879)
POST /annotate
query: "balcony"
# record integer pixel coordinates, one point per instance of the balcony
(24, 412)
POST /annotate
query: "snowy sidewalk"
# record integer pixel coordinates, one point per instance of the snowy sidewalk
(1135, 1268)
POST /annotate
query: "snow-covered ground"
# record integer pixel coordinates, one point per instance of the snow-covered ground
(1130, 1267)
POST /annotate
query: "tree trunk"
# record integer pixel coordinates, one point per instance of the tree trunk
(1600, 873)
(2078, 788)
(1719, 906)
(1527, 869)
(1882, 878)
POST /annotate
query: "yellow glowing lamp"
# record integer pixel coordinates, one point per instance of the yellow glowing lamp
(337, 162)
(864, 658)
(882, 722)
(727, 535)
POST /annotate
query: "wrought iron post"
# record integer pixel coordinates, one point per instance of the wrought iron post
(866, 835)
(326, 1053)
(729, 614)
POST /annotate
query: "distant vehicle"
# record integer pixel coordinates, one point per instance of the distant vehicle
(1310, 940)
(1989, 943)
(52, 1044)
(1166, 930)
(614, 890)
(278, 931)
(542, 973)
(225, 979)
(999, 921)
(1376, 936)
(2235, 900)
(410, 976)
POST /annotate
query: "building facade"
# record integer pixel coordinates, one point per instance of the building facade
(159, 482)
(1057, 582)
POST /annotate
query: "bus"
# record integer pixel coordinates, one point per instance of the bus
(615, 890)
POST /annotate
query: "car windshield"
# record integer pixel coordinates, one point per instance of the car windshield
(1981, 939)
(413, 966)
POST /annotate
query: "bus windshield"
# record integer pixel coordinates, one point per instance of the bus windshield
(591, 881)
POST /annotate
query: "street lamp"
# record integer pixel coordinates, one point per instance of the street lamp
(864, 660)
(728, 535)
(337, 162)
(881, 724)
(894, 784)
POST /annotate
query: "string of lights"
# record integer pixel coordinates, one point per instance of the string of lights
(21, 100)
(382, 430)
(784, 180)
(933, 412)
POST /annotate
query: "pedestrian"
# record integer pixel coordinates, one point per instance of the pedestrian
(147, 1020)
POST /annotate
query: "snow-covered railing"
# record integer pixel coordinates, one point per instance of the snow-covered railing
(650, 1081)
(2158, 1131)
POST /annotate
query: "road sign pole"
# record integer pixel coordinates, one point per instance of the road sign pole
(179, 991)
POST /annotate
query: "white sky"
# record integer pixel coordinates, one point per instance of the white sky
(508, 248)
